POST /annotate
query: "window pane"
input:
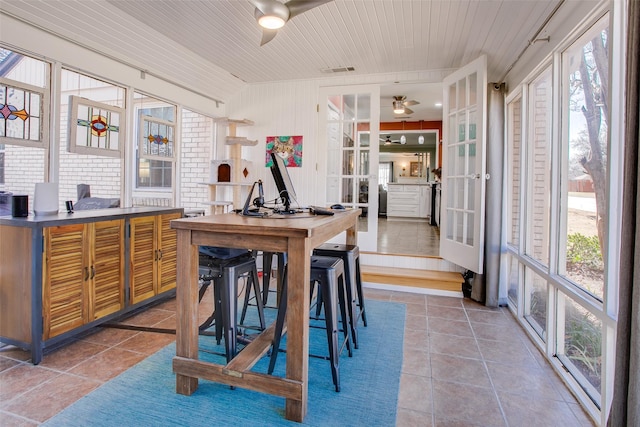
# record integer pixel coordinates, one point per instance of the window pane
(197, 138)
(538, 199)
(348, 107)
(514, 141)
(23, 167)
(348, 162)
(535, 288)
(22, 117)
(103, 174)
(24, 69)
(582, 350)
(159, 134)
(585, 74)
(347, 190)
(364, 107)
(513, 278)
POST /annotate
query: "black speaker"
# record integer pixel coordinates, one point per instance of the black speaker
(20, 205)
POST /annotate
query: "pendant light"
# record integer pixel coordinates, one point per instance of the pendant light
(421, 140)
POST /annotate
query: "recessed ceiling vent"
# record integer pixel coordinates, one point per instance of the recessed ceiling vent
(337, 70)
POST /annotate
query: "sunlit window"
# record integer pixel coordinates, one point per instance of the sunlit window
(586, 77)
(155, 148)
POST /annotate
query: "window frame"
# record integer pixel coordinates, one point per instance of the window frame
(45, 102)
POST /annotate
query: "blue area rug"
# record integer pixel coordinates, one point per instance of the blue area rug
(145, 394)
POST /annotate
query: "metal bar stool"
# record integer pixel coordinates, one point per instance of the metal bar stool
(225, 274)
(328, 272)
(267, 262)
(350, 254)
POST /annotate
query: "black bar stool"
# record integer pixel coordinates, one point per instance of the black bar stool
(267, 262)
(225, 274)
(350, 255)
(328, 272)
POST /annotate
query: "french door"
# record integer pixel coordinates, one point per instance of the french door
(349, 126)
(464, 166)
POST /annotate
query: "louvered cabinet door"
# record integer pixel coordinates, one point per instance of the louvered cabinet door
(65, 279)
(144, 254)
(168, 260)
(107, 268)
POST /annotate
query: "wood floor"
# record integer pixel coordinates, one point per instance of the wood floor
(408, 237)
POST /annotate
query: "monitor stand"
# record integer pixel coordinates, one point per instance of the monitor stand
(259, 201)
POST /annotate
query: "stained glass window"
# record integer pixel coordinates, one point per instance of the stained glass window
(20, 113)
(156, 139)
(95, 128)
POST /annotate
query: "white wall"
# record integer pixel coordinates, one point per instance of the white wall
(290, 108)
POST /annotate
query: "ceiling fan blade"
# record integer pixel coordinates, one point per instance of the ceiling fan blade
(409, 103)
(408, 110)
(267, 36)
(297, 7)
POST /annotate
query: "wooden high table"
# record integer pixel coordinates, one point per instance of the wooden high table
(297, 236)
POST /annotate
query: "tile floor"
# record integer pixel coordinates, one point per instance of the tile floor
(464, 365)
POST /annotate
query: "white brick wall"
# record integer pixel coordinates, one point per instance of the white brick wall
(197, 140)
(24, 166)
(540, 142)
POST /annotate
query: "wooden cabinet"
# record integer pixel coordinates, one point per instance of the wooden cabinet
(82, 280)
(153, 258)
(63, 274)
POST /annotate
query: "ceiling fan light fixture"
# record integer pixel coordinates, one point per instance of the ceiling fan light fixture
(398, 107)
(271, 22)
(271, 14)
(421, 139)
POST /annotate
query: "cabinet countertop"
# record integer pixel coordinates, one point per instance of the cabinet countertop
(82, 216)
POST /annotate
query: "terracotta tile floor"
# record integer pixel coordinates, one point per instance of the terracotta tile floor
(456, 370)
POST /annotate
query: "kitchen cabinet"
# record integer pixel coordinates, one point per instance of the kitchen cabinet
(408, 200)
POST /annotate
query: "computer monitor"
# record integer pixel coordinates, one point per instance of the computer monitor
(283, 182)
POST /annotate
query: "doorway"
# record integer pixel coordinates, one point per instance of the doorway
(410, 149)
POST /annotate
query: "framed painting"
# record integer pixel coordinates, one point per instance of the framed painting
(287, 147)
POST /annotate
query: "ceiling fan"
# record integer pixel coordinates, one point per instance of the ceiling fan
(272, 14)
(389, 141)
(400, 105)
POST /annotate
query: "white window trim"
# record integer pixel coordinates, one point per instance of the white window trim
(43, 140)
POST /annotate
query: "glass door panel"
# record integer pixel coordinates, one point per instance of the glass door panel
(352, 121)
(463, 177)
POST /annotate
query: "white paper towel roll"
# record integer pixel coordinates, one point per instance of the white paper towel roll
(45, 199)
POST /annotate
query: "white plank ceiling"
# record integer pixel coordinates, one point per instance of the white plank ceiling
(372, 36)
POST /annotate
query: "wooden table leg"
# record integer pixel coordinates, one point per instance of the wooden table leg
(298, 276)
(186, 308)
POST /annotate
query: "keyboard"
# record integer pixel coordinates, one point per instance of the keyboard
(317, 210)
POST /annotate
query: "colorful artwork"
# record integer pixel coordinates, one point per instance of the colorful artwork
(20, 112)
(95, 128)
(156, 138)
(287, 147)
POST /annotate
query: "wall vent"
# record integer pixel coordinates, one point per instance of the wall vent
(337, 70)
